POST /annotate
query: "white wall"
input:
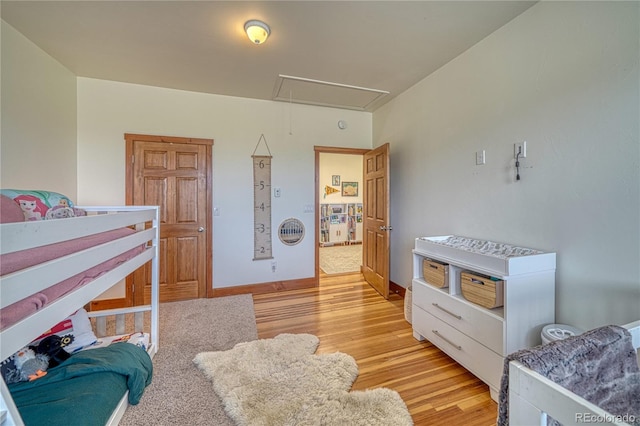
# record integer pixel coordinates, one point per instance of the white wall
(107, 110)
(564, 77)
(38, 149)
(348, 167)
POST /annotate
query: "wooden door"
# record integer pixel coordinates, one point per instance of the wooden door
(175, 174)
(376, 219)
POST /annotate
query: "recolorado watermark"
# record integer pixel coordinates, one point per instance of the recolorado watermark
(608, 418)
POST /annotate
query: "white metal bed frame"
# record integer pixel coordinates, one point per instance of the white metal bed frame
(20, 284)
(533, 397)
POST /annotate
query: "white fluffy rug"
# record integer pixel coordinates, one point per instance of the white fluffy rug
(280, 381)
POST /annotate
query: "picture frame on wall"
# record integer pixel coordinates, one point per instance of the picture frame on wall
(335, 180)
(349, 189)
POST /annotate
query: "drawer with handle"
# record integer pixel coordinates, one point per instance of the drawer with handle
(476, 322)
(475, 357)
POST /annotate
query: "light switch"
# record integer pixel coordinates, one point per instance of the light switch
(480, 158)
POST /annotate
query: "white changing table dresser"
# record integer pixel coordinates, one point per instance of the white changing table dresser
(476, 337)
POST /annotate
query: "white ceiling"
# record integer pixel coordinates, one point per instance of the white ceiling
(200, 45)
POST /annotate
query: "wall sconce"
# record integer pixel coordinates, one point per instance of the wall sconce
(257, 31)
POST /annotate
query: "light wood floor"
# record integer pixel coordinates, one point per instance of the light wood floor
(349, 316)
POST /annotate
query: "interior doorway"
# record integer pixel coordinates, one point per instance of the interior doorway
(339, 179)
(376, 224)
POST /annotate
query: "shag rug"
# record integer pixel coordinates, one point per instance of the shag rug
(280, 381)
(179, 394)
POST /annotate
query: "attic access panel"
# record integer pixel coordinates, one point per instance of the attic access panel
(323, 93)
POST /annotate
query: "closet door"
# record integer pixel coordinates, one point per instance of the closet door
(175, 174)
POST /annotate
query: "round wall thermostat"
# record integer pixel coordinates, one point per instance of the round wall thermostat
(342, 124)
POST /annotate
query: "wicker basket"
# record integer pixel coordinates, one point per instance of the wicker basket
(484, 291)
(435, 273)
(407, 304)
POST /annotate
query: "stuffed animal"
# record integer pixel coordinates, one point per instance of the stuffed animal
(63, 211)
(59, 212)
(53, 347)
(29, 365)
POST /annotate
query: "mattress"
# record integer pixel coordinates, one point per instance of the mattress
(489, 248)
(491, 258)
(86, 388)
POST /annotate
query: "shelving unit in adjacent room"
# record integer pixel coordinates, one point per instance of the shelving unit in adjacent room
(340, 223)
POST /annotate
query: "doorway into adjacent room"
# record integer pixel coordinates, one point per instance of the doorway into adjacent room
(340, 201)
(348, 220)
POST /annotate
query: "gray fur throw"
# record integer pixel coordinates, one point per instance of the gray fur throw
(600, 365)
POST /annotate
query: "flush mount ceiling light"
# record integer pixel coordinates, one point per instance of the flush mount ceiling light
(257, 31)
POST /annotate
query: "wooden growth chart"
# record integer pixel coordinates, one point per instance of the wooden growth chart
(262, 248)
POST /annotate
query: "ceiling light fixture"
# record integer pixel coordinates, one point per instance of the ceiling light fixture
(257, 31)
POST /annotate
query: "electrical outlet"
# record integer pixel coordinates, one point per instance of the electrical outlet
(520, 147)
(480, 158)
(274, 265)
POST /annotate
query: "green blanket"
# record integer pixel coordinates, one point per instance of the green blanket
(86, 388)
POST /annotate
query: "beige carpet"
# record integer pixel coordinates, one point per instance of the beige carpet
(341, 259)
(179, 393)
(281, 382)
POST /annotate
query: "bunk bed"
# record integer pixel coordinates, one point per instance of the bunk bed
(139, 241)
(612, 377)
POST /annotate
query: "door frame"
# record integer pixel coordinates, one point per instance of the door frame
(326, 150)
(129, 156)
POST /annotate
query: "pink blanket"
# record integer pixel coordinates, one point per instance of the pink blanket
(16, 261)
